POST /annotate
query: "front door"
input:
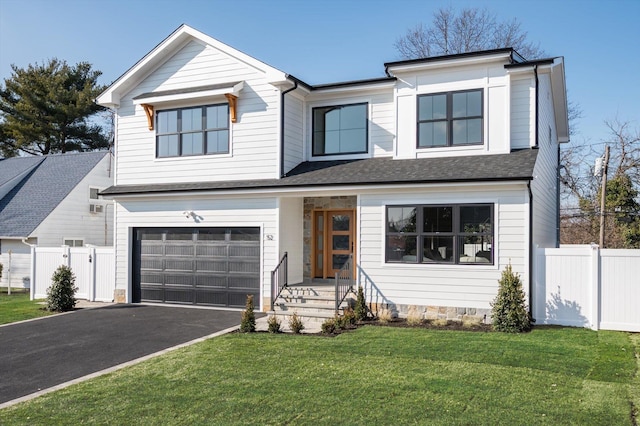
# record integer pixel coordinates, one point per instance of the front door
(333, 241)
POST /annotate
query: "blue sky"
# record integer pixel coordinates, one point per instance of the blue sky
(332, 40)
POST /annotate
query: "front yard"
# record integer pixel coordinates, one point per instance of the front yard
(18, 307)
(374, 375)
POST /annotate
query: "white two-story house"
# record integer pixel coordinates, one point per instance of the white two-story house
(426, 182)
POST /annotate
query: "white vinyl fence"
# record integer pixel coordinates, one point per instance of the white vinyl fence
(92, 266)
(587, 287)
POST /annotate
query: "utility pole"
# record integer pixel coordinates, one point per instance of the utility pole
(603, 194)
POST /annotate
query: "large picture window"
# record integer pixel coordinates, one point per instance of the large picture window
(340, 129)
(456, 234)
(449, 119)
(192, 131)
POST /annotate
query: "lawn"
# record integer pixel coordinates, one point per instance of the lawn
(18, 307)
(374, 375)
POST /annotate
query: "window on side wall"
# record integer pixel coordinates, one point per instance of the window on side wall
(450, 119)
(340, 129)
(73, 242)
(453, 234)
(192, 131)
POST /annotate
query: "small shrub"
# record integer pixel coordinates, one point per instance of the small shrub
(471, 322)
(295, 323)
(248, 319)
(61, 296)
(509, 310)
(349, 317)
(361, 310)
(385, 315)
(414, 317)
(1, 266)
(273, 324)
(328, 326)
(441, 322)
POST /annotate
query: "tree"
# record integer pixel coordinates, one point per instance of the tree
(581, 190)
(46, 109)
(467, 30)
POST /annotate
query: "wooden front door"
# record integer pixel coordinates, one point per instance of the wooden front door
(333, 242)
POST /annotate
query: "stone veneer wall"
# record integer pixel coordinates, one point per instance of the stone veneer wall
(434, 312)
(318, 203)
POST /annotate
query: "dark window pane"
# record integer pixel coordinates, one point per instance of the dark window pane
(245, 234)
(218, 117)
(191, 143)
(213, 234)
(432, 107)
(340, 222)
(475, 249)
(340, 129)
(437, 249)
(167, 122)
(475, 219)
(401, 248)
(353, 117)
(467, 131)
(338, 260)
(340, 242)
(438, 219)
(180, 236)
(401, 219)
(353, 140)
(433, 134)
(191, 119)
(474, 103)
(168, 146)
(218, 141)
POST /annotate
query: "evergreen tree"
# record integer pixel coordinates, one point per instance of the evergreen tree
(509, 310)
(46, 109)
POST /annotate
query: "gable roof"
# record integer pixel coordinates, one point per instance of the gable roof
(167, 48)
(515, 166)
(39, 185)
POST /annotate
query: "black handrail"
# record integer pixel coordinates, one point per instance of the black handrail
(344, 281)
(279, 279)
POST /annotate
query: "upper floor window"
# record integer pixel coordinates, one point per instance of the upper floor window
(460, 234)
(192, 131)
(450, 119)
(340, 129)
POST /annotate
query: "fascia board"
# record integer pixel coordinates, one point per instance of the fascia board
(446, 63)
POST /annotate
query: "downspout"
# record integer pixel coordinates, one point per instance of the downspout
(531, 248)
(295, 86)
(535, 71)
(558, 199)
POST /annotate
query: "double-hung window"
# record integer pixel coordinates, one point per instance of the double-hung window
(340, 129)
(457, 234)
(450, 119)
(192, 131)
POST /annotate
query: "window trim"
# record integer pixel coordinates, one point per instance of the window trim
(313, 126)
(455, 234)
(450, 119)
(202, 131)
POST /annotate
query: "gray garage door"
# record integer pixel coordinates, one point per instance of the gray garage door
(198, 266)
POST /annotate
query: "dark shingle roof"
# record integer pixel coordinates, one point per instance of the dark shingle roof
(31, 200)
(517, 165)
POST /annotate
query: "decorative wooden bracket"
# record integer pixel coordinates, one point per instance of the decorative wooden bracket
(232, 106)
(148, 110)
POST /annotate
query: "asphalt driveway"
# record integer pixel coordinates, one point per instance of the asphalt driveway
(37, 355)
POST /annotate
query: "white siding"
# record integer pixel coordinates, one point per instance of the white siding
(544, 186)
(471, 286)
(522, 111)
(71, 219)
(211, 212)
(293, 131)
(17, 265)
(254, 137)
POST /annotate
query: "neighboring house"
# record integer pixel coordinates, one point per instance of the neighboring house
(52, 200)
(434, 177)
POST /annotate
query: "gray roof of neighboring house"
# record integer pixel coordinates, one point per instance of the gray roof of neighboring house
(46, 182)
(515, 166)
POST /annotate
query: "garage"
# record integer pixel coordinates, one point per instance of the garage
(198, 266)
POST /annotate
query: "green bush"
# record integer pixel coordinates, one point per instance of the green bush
(61, 296)
(273, 324)
(361, 310)
(328, 326)
(509, 310)
(248, 319)
(1, 266)
(295, 323)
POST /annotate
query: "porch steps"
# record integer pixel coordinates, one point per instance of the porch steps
(312, 302)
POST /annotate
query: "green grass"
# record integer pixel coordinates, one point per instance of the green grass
(374, 375)
(18, 307)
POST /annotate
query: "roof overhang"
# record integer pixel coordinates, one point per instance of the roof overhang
(463, 59)
(193, 93)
